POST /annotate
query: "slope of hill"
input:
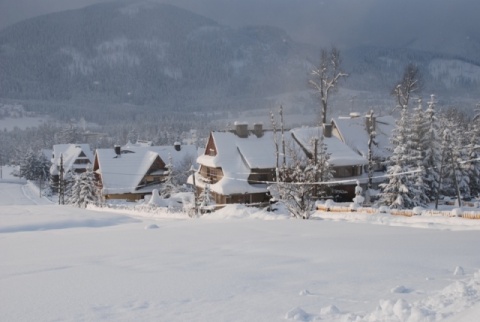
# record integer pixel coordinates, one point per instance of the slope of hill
(143, 53)
(104, 61)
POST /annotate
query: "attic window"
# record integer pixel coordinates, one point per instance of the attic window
(82, 154)
(211, 152)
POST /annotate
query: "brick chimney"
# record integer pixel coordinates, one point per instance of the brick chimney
(258, 129)
(327, 130)
(118, 150)
(241, 129)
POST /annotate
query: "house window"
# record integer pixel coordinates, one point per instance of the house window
(82, 161)
(213, 174)
(343, 172)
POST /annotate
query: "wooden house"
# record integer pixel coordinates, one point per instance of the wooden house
(239, 165)
(131, 172)
(74, 158)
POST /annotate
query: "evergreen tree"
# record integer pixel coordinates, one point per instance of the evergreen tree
(460, 164)
(418, 152)
(34, 166)
(473, 161)
(168, 186)
(322, 167)
(84, 190)
(399, 191)
(206, 199)
(432, 151)
(420, 186)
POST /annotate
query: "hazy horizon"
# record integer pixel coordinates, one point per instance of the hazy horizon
(424, 24)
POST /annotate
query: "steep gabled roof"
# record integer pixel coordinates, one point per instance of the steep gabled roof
(340, 153)
(353, 131)
(70, 153)
(124, 173)
(237, 157)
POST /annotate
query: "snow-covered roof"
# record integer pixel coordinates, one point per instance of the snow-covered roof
(353, 131)
(70, 153)
(340, 153)
(123, 174)
(238, 156)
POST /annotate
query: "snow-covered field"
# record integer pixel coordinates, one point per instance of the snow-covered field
(10, 123)
(60, 263)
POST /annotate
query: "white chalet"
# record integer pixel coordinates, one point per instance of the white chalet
(131, 172)
(238, 165)
(75, 158)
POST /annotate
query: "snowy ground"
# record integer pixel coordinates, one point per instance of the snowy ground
(67, 264)
(9, 123)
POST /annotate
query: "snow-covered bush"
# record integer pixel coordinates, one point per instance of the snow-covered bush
(418, 211)
(456, 212)
(354, 206)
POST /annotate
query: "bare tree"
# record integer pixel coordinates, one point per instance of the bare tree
(477, 112)
(326, 76)
(410, 84)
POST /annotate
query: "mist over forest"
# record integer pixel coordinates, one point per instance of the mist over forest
(159, 67)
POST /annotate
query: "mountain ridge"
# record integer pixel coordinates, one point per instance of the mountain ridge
(166, 58)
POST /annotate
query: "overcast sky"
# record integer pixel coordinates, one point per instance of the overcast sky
(316, 21)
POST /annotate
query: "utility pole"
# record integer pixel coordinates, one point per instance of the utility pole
(315, 160)
(40, 186)
(61, 184)
(194, 190)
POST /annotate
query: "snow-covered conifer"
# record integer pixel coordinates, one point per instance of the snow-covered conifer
(84, 190)
(399, 191)
(432, 151)
(34, 166)
(473, 161)
(168, 186)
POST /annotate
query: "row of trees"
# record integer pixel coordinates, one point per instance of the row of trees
(432, 154)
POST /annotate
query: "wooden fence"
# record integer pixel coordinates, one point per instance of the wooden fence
(347, 207)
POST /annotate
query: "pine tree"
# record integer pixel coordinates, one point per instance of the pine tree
(473, 161)
(206, 199)
(420, 186)
(84, 190)
(322, 167)
(34, 166)
(168, 186)
(460, 164)
(399, 191)
(432, 151)
(418, 152)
